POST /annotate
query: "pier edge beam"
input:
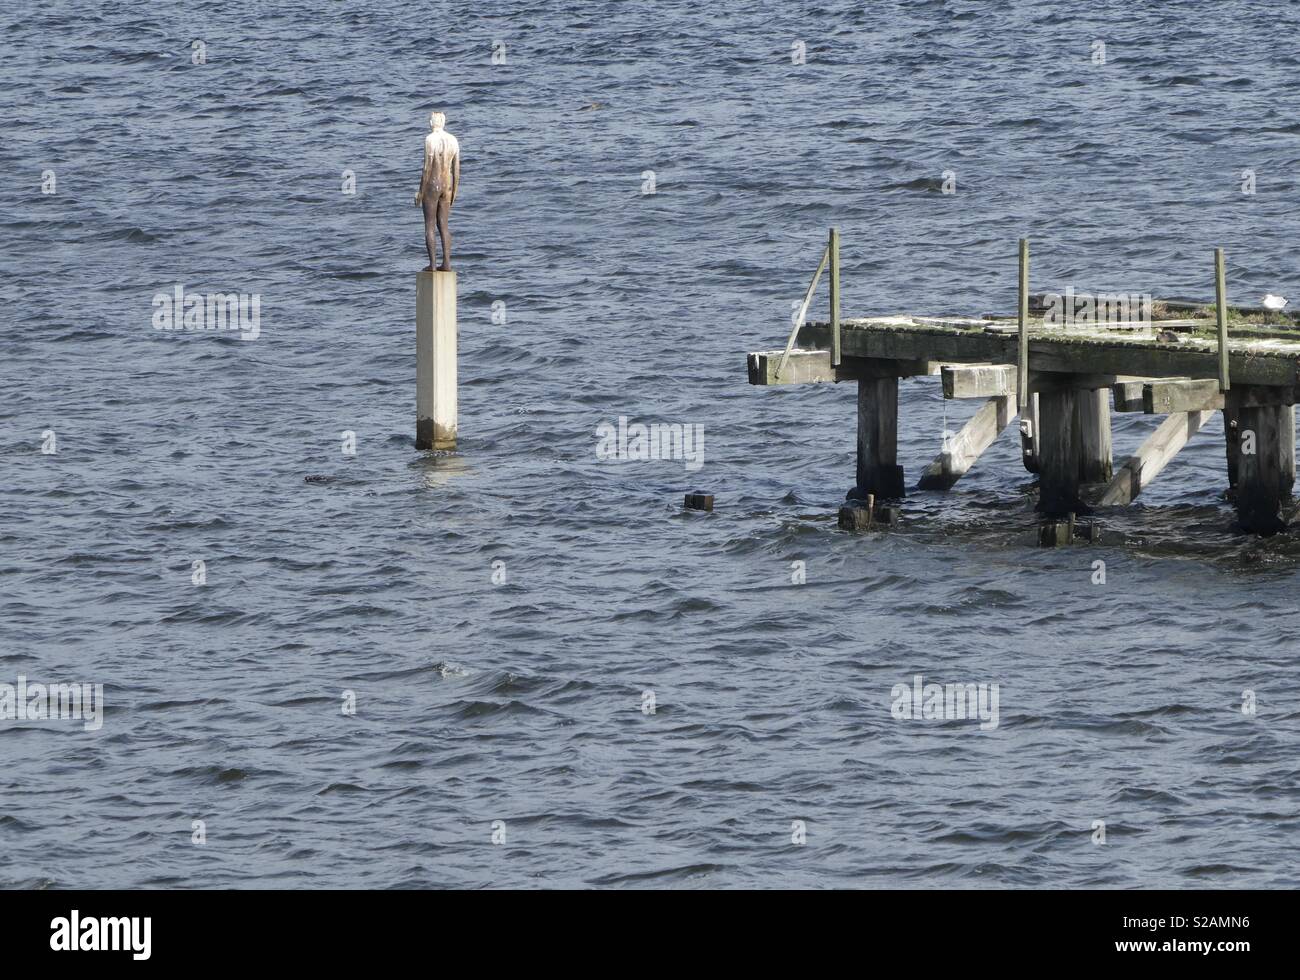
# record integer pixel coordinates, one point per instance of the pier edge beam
(1265, 477)
(878, 470)
(1092, 435)
(1058, 462)
(435, 360)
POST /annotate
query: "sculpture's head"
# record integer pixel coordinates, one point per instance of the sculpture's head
(436, 121)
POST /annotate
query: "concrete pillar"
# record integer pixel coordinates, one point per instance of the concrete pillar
(435, 360)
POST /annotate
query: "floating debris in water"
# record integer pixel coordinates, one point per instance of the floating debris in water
(699, 501)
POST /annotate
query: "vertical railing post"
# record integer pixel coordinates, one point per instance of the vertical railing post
(834, 249)
(1022, 355)
(1221, 313)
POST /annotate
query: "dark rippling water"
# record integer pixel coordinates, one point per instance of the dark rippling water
(522, 702)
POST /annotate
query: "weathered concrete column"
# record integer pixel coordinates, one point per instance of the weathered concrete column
(878, 469)
(1058, 460)
(1092, 434)
(435, 360)
(1265, 462)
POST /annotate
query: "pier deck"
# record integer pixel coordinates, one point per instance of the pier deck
(1170, 367)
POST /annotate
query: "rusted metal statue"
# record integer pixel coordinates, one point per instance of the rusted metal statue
(439, 182)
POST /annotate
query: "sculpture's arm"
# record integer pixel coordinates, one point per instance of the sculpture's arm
(455, 177)
(424, 175)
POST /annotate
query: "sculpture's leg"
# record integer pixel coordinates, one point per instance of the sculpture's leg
(430, 206)
(444, 213)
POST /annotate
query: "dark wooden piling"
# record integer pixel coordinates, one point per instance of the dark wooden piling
(1058, 461)
(1057, 532)
(864, 514)
(1265, 462)
(854, 518)
(858, 515)
(699, 501)
(1092, 435)
(878, 470)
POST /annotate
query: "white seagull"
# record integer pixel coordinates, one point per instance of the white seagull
(1271, 302)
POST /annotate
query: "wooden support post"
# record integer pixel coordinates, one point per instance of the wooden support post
(854, 518)
(864, 515)
(1221, 313)
(1022, 357)
(965, 448)
(1152, 456)
(1092, 433)
(435, 360)
(878, 469)
(1265, 464)
(1029, 434)
(1053, 534)
(858, 516)
(978, 380)
(834, 249)
(1058, 461)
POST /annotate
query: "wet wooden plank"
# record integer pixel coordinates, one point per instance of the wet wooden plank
(968, 444)
(1166, 397)
(1152, 456)
(814, 367)
(978, 381)
(1128, 396)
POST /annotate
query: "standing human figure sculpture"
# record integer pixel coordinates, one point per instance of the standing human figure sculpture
(439, 182)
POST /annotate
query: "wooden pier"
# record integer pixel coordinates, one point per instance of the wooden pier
(1063, 383)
